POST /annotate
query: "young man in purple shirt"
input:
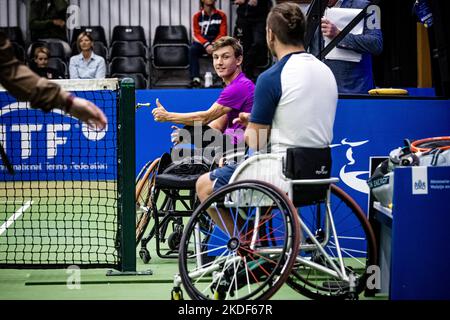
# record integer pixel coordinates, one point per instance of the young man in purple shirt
(236, 97)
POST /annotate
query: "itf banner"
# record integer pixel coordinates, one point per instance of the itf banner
(56, 146)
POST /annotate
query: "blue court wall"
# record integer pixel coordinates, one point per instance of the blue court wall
(363, 128)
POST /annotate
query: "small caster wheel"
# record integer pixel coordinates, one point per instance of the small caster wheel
(174, 240)
(219, 295)
(177, 294)
(352, 296)
(145, 255)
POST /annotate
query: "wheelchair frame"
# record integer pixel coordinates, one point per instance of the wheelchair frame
(347, 283)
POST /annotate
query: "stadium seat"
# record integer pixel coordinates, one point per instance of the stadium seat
(139, 80)
(58, 64)
(128, 65)
(128, 49)
(170, 48)
(56, 50)
(170, 55)
(97, 33)
(19, 51)
(171, 34)
(14, 34)
(129, 33)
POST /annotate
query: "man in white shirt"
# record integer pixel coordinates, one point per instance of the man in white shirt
(295, 100)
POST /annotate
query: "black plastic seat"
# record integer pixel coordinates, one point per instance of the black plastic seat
(56, 50)
(97, 33)
(19, 52)
(14, 34)
(170, 48)
(171, 34)
(139, 79)
(59, 65)
(170, 54)
(128, 65)
(128, 49)
(129, 33)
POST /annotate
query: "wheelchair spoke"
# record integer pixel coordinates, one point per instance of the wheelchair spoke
(238, 271)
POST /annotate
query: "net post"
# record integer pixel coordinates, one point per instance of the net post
(126, 173)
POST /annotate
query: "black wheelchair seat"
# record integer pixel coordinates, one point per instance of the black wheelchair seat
(176, 181)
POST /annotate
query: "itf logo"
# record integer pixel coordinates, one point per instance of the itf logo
(29, 134)
(419, 180)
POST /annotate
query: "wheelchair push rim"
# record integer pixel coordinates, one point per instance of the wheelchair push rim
(357, 247)
(254, 260)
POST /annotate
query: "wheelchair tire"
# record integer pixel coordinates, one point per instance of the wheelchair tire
(173, 240)
(144, 183)
(353, 231)
(144, 254)
(253, 262)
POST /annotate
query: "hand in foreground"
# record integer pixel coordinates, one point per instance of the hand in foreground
(244, 118)
(159, 113)
(89, 113)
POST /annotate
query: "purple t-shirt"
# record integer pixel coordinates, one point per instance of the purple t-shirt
(238, 95)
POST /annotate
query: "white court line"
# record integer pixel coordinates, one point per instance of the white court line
(15, 216)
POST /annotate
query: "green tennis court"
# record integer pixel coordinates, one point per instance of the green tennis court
(47, 222)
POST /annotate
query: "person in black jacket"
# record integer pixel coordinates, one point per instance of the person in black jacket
(250, 29)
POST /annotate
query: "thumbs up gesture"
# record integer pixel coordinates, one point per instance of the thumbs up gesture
(159, 113)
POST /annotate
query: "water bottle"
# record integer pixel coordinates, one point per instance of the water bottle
(208, 79)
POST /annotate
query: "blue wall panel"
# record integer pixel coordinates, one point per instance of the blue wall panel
(363, 128)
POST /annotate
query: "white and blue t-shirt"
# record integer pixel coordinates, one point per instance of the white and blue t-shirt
(297, 96)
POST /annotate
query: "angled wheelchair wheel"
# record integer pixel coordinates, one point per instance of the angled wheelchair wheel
(240, 243)
(313, 275)
(144, 183)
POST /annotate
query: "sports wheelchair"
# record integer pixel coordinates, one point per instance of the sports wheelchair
(288, 228)
(165, 191)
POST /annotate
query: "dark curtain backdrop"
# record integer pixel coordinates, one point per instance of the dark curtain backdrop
(397, 65)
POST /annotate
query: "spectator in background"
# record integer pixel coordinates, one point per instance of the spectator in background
(40, 64)
(86, 64)
(23, 84)
(250, 29)
(209, 24)
(294, 104)
(352, 77)
(48, 22)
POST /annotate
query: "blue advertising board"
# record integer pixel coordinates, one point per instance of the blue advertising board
(55, 146)
(363, 128)
(420, 238)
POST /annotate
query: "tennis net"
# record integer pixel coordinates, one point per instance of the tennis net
(61, 206)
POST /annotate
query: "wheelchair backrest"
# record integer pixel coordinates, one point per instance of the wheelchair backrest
(297, 164)
(308, 163)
